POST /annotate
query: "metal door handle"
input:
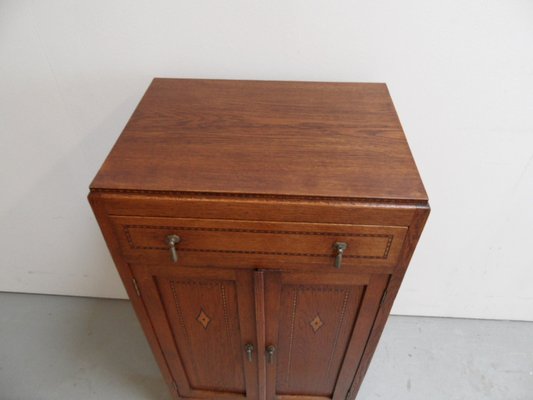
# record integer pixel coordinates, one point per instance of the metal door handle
(340, 247)
(172, 240)
(249, 348)
(270, 352)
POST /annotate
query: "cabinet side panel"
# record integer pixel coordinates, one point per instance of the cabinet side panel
(98, 206)
(413, 234)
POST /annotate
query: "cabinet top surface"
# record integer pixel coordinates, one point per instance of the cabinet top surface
(304, 139)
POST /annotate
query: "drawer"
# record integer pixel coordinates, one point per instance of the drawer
(253, 244)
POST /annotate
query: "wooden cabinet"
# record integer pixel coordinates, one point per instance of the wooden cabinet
(262, 230)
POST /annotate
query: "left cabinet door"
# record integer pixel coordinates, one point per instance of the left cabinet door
(205, 324)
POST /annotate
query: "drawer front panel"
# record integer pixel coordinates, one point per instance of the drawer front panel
(257, 244)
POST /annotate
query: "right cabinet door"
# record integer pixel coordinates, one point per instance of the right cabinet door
(316, 328)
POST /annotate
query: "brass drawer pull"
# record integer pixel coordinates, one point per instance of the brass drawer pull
(249, 348)
(340, 247)
(172, 240)
(271, 352)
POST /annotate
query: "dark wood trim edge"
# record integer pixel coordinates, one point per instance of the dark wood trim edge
(204, 195)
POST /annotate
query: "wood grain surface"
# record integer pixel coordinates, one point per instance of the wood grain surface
(336, 140)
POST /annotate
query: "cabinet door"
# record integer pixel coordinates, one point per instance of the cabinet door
(203, 319)
(318, 325)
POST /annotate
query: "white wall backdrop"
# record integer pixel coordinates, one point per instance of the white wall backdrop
(460, 73)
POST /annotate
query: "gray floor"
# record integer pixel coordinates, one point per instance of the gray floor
(55, 347)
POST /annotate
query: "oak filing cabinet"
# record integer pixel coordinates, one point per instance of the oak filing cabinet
(262, 230)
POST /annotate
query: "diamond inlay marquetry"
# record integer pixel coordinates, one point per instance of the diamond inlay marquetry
(203, 319)
(316, 323)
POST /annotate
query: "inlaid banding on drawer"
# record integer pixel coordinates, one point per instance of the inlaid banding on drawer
(128, 228)
(257, 244)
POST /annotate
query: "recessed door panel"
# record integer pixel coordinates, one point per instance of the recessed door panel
(315, 323)
(204, 340)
